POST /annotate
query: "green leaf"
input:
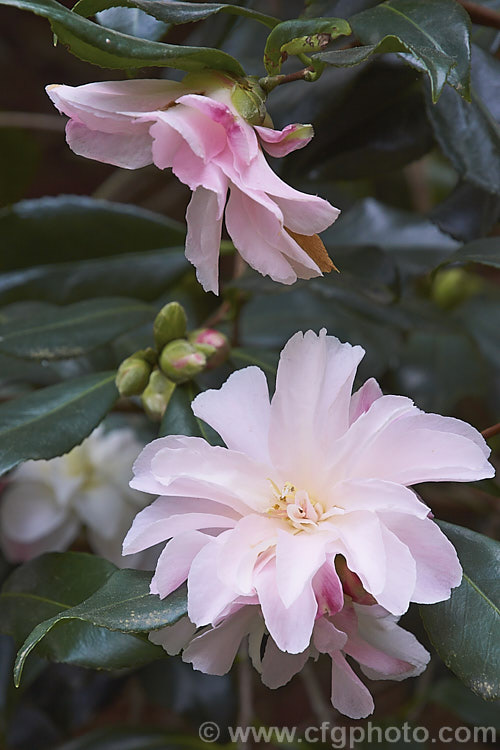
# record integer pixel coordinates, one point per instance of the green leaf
(303, 33)
(53, 420)
(469, 134)
(480, 316)
(465, 629)
(485, 251)
(123, 604)
(174, 12)
(50, 586)
(346, 58)
(144, 275)
(110, 49)
(74, 330)
(390, 130)
(180, 420)
(435, 35)
(73, 227)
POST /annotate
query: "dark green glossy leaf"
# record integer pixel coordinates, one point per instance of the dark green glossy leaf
(74, 227)
(144, 275)
(300, 29)
(467, 213)
(480, 316)
(51, 421)
(71, 331)
(110, 49)
(352, 141)
(174, 12)
(435, 35)
(345, 58)
(180, 420)
(414, 243)
(469, 133)
(465, 629)
(485, 251)
(48, 587)
(122, 604)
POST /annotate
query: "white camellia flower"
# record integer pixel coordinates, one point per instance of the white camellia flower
(45, 504)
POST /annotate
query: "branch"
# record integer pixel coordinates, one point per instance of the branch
(491, 431)
(481, 15)
(269, 83)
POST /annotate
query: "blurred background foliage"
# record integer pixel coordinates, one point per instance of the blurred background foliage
(418, 248)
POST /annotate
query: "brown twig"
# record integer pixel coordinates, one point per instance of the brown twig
(268, 83)
(491, 431)
(481, 15)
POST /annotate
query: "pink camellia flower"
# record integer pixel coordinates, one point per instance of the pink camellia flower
(368, 634)
(194, 128)
(309, 501)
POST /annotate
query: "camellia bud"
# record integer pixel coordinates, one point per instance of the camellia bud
(181, 361)
(133, 374)
(170, 324)
(157, 395)
(212, 343)
(248, 97)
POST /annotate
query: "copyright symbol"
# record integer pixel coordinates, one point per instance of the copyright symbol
(209, 731)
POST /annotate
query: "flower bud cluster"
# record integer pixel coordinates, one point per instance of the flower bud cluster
(179, 355)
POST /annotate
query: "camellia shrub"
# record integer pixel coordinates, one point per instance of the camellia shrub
(249, 374)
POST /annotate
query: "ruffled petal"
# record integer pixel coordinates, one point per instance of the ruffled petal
(174, 637)
(310, 407)
(291, 627)
(298, 558)
(349, 695)
(214, 651)
(129, 150)
(175, 561)
(383, 633)
(208, 596)
(279, 143)
(364, 397)
(438, 569)
(278, 668)
(109, 99)
(239, 411)
(204, 228)
(167, 517)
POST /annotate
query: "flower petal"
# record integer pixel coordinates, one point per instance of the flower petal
(175, 561)
(364, 397)
(214, 651)
(208, 596)
(438, 569)
(349, 695)
(239, 411)
(129, 150)
(279, 143)
(174, 637)
(310, 407)
(298, 558)
(204, 225)
(278, 667)
(291, 627)
(168, 516)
